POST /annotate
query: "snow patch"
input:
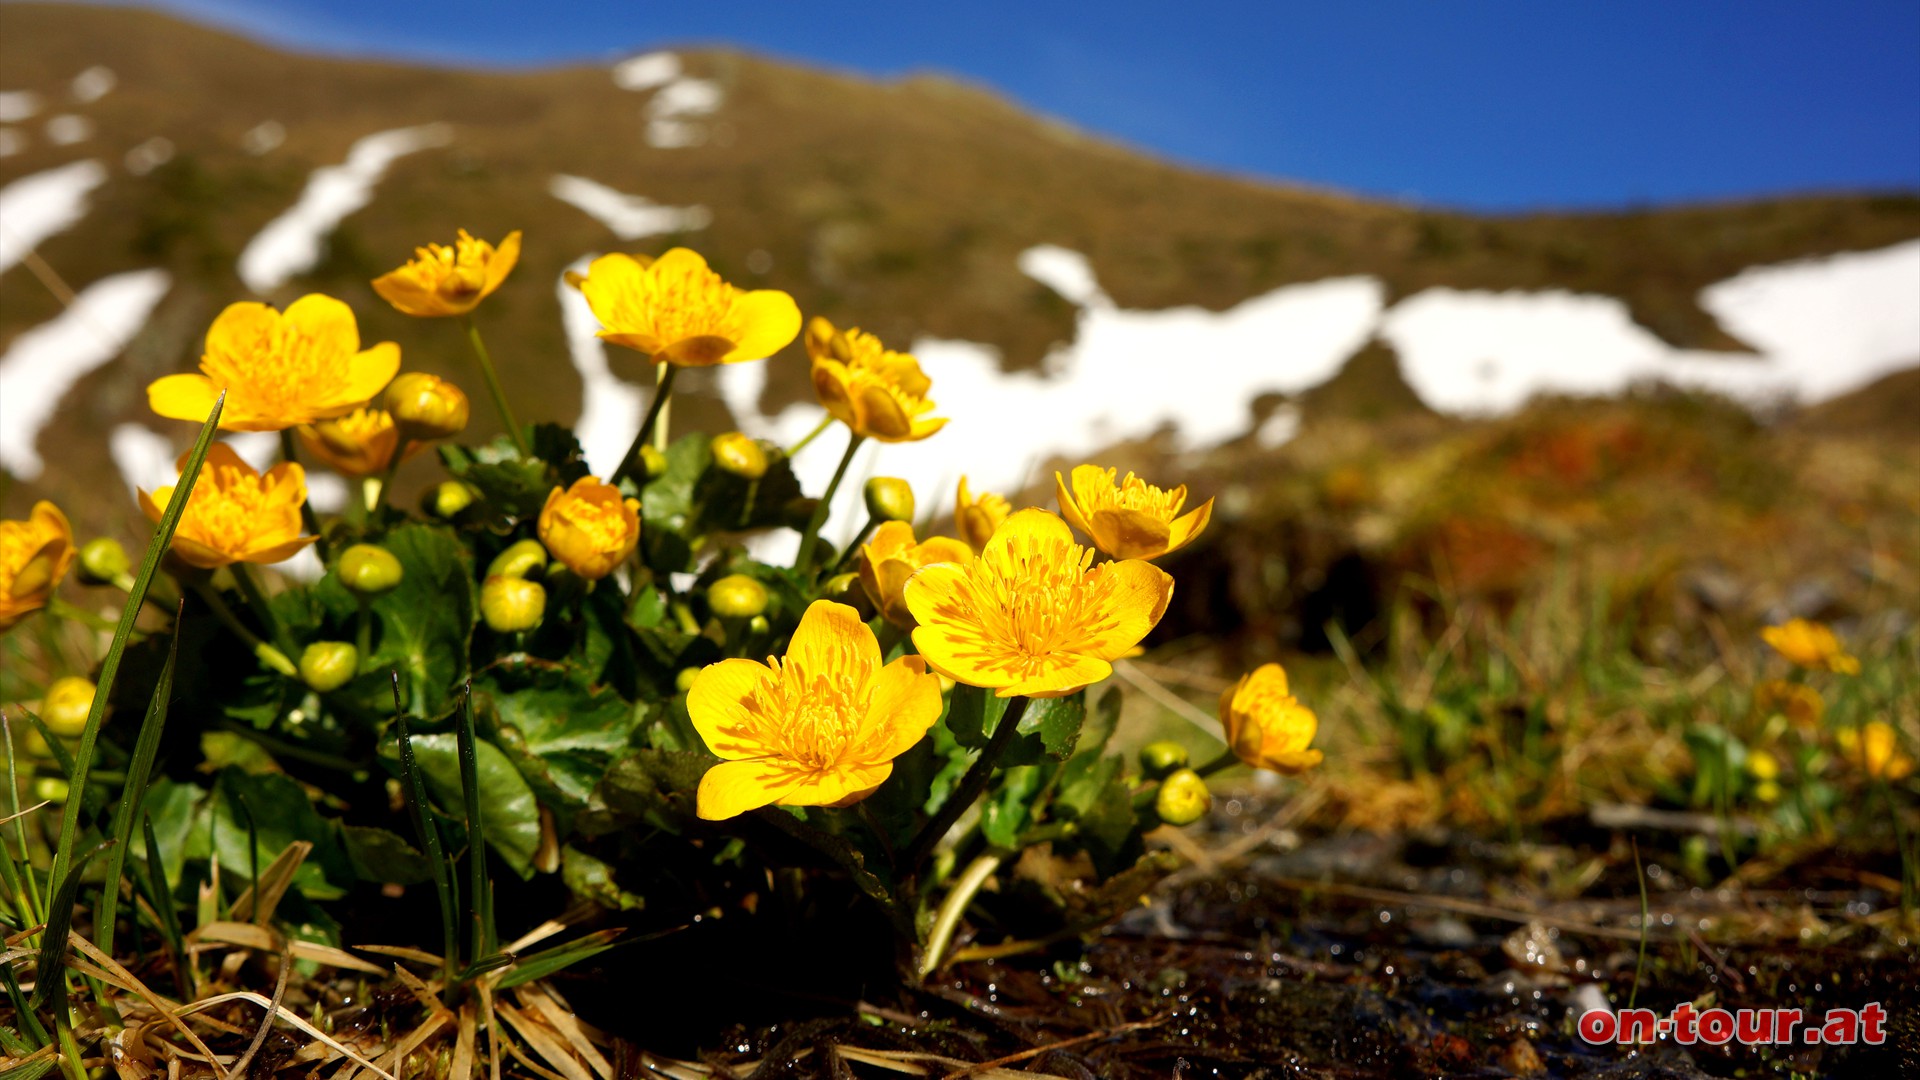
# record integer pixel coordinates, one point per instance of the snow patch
(646, 71)
(671, 112)
(291, 243)
(18, 105)
(43, 363)
(629, 216)
(1065, 272)
(610, 408)
(67, 129)
(37, 206)
(149, 155)
(94, 83)
(263, 138)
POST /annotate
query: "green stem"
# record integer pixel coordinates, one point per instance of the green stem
(847, 556)
(825, 423)
(494, 388)
(947, 919)
(970, 787)
(267, 654)
(70, 1058)
(660, 379)
(290, 453)
(804, 561)
(257, 601)
(386, 480)
(1221, 762)
(363, 632)
(662, 393)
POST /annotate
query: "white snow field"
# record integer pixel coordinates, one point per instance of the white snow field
(629, 216)
(292, 243)
(648, 71)
(41, 204)
(674, 108)
(43, 363)
(610, 408)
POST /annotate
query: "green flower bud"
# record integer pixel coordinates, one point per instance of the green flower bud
(1162, 757)
(509, 604)
(449, 497)
(840, 585)
(368, 570)
(737, 596)
(103, 561)
(739, 455)
(683, 681)
(65, 707)
(519, 560)
(50, 789)
(1183, 798)
(652, 460)
(889, 498)
(759, 625)
(329, 665)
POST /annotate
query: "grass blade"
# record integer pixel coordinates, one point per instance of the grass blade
(110, 667)
(133, 793)
(481, 939)
(547, 961)
(416, 793)
(160, 895)
(50, 976)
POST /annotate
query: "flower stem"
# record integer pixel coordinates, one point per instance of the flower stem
(662, 392)
(268, 655)
(660, 379)
(289, 453)
(821, 427)
(947, 919)
(1221, 762)
(969, 788)
(386, 481)
(257, 600)
(804, 561)
(853, 548)
(494, 388)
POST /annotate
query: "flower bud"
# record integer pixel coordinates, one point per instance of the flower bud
(683, 681)
(889, 498)
(739, 455)
(368, 569)
(737, 596)
(1183, 798)
(103, 561)
(519, 560)
(839, 585)
(652, 460)
(64, 708)
(50, 789)
(329, 665)
(1162, 757)
(590, 527)
(759, 625)
(426, 406)
(509, 604)
(449, 497)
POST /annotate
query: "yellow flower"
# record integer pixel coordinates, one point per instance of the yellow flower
(589, 527)
(1032, 616)
(1875, 749)
(444, 280)
(359, 444)
(426, 406)
(1130, 518)
(1797, 702)
(976, 519)
(819, 728)
(279, 369)
(34, 556)
(891, 557)
(879, 393)
(1266, 726)
(1810, 645)
(235, 513)
(678, 311)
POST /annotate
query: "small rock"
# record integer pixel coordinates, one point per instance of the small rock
(1446, 932)
(1521, 1059)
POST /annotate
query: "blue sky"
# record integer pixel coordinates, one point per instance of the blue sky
(1491, 105)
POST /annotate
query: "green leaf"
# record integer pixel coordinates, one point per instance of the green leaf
(562, 730)
(547, 961)
(591, 879)
(379, 855)
(516, 485)
(654, 787)
(972, 713)
(1058, 720)
(1008, 810)
(667, 500)
(173, 809)
(280, 814)
(512, 820)
(426, 624)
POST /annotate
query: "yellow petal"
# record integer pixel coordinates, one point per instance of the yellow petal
(403, 289)
(503, 261)
(278, 552)
(238, 327)
(1069, 505)
(609, 278)
(830, 385)
(769, 319)
(721, 705)
(1192, 525)
(701, 350)
(368, 373)
(880, 415)
(732, 788)
(904, 706)
(840, 786)
(1134, 595)
(326, 320)
(924, 427)
(183, 397)
(1028, 529)
(638, 342)
(1059, 675)
(1129, 534)
(832, 639)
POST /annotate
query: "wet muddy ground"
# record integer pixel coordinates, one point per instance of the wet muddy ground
(1341, 955)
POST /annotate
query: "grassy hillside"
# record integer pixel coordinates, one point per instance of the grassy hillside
(898, 205)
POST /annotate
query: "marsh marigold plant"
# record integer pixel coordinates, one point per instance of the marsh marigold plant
(590, 527)
(877, 392)
(818, 727)
(34, 555)
(449, 279)
(279, 369)
(236, 513)
(676, 310)
(1032, 615)
(1266, 725)
(1129, 518)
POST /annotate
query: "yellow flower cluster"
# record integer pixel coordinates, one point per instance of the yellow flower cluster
(236, 514)
(1810, 645)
